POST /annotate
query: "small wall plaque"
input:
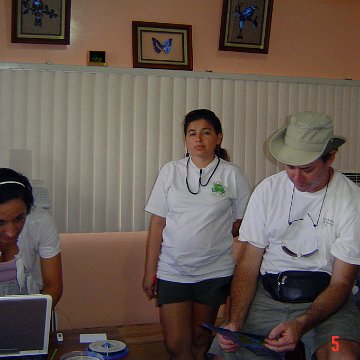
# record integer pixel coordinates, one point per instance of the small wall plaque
(97, 58)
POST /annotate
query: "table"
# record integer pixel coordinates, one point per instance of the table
(71, 340)
(143, 341)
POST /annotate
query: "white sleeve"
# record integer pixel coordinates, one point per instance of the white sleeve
(252, 228)
(48, 237)
(243, 192)
(157, 203)
(347, 244)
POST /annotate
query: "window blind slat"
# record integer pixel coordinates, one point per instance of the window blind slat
(98, 139)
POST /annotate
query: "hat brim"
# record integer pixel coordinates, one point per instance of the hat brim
(292, 156)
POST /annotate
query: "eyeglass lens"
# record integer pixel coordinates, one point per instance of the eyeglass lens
(300, 238)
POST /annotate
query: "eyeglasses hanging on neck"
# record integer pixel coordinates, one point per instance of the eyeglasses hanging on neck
(290, 222)
(300, 239)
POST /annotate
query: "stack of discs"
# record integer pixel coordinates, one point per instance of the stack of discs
(109, 349)
(81, 355)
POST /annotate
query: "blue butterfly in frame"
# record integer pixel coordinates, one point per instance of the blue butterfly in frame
(166, 46)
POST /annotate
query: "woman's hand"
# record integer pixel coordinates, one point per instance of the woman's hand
(153, 245)
(149, 285)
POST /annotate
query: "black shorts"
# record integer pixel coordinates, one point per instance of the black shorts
(213, 292)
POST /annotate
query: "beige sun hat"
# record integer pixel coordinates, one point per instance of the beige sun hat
(308, 136)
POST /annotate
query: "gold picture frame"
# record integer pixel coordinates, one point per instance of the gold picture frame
(162, 46)
(96, 58)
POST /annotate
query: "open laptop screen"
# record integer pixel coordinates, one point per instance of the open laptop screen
(24, 325)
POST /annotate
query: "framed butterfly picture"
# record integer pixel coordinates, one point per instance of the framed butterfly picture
(162, 46)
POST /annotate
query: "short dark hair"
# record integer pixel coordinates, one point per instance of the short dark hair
(325, 157)
(14, 185)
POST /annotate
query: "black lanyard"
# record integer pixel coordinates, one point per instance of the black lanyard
(200, 183)
(322, 204)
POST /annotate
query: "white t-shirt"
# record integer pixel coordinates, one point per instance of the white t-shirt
(337, 235)
(39, 238)
(197, 239)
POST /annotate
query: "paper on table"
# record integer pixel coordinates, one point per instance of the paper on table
(89, 338)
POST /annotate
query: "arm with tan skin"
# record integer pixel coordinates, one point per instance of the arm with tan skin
(153, 246)
(243, 289)
(51, 270)
(285, 336)
(236, 227)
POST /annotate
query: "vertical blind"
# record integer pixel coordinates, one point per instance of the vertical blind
(99, 137)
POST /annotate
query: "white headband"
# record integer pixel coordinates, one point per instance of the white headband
(12, 182)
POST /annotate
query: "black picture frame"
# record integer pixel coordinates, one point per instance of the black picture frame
(162, 45)
(96, 58)
(45, 23)
(245, 25)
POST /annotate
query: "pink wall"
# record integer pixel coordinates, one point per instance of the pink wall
(309, 38)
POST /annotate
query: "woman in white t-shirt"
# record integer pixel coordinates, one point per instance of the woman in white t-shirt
(30, 260)
(197, 205)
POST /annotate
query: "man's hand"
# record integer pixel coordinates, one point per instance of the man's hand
(285, 336)
(226, 344)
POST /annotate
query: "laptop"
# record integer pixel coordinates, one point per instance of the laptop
(24, 326)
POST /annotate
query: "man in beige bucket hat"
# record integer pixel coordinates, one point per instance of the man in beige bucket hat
(308, 136)
(300, 252)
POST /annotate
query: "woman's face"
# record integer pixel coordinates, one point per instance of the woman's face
(12, 219)
(201, 139)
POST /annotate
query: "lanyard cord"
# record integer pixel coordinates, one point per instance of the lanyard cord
(322, 204)
(200, 183)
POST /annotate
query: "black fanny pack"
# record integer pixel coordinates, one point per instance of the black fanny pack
(296, 286)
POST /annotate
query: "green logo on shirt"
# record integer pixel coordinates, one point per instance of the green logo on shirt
(218, 188)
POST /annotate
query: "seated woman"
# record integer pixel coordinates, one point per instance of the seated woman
(30, 259)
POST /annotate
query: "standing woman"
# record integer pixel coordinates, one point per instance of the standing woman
(30, 260)
(197, 205)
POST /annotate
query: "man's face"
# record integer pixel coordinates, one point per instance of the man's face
(312, 177)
